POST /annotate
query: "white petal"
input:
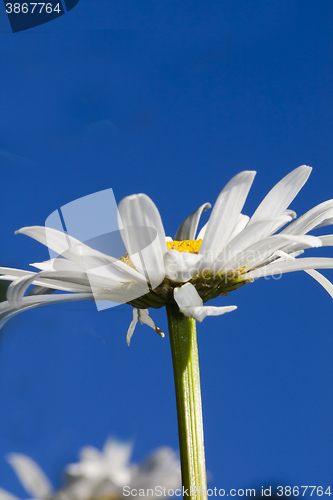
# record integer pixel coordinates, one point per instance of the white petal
(279, 267)
(139, 210)
(181, 266)
(187, 296)
(283, 255)
(291, 213)
(162, 469)
(187, 230)
(152, 259)
(298, 245)
(90, 454)
(327, 240)
(74, 282)
(326, 222)
(199, 313)
(7, 277)
(117, 453)
(114, 271)
(105, 281)
(324, 282)
(191, 305)
(145, 319)
(224, 215)
(311, 219)
(108, 275)
(132, 326)
(241, 223)
(66, 284)
(5, 495)
(202, 232)
(282, 194)
(58, 264)
(256, 254)
(56, 240)
(31, 476)
(9, 313)
(249, 236)
(15, 272)
(17, 288)
(68, 247)
(296, 254)
(30, 302)
(117, 456)
(54, 299)
(143, 235)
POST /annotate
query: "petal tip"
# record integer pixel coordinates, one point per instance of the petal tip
(159, 331)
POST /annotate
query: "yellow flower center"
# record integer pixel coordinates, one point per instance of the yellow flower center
(127, 260)
(192, 246)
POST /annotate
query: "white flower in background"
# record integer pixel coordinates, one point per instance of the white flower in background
(231, 250)
(107, 475)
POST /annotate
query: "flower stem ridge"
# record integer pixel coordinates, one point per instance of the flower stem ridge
(184, 349)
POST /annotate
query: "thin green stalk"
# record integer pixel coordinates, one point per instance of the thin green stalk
(184, 349)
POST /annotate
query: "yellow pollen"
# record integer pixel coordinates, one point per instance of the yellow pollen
(192, 246)
(127, 260)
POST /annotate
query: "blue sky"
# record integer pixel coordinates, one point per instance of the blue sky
(171, 99)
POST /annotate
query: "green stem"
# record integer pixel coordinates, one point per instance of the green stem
(184, 349)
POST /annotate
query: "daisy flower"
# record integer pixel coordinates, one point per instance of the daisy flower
(231, 250)
(107, 475)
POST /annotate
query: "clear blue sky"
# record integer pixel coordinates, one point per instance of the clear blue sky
(171, 99)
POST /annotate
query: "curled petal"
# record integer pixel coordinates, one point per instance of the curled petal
(132, 326)
(191, 305)
(187, 230)
(141, 315)
(145, 319)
